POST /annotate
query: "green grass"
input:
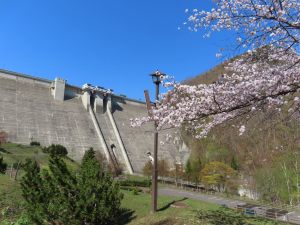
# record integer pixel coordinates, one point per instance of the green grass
(140, 207)
(10, 199)
(13, 153)
(136, 206)
(136, 177)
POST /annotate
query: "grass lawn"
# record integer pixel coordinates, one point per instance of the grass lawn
(13, 153)
(139, 212)
(140, 207)
(136, 206)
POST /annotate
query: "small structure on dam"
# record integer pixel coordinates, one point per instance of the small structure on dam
(56, 112)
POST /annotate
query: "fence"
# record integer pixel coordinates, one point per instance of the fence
(284, 213)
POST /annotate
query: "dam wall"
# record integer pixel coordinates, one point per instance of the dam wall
(55, 112)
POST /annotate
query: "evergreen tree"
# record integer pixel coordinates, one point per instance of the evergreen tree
(61, 188)
(196, 167)
(33, 192)
(188, 170)
(57, 196)
(100, 197)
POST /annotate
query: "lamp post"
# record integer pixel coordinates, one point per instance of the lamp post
(157, 79)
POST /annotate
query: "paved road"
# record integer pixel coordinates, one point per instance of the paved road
(293, 217)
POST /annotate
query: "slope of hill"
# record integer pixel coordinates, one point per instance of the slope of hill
(265, 146)
(209, 76)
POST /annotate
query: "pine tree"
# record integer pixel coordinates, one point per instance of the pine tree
(50, 195)
(188, 170)
(58, 196)
(32, 191)
(62, 186)
(100, 197)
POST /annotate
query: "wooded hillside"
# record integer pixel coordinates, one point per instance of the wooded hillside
(270, 146)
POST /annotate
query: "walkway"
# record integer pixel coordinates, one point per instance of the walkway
(292, 217)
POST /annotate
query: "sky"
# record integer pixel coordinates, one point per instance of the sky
(111, 43)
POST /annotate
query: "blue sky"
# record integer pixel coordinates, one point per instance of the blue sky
(110, 43)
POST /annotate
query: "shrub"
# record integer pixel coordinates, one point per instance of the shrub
(135, 183)
(135, 191)
(3, 165)
(56, 150)
(35, 143)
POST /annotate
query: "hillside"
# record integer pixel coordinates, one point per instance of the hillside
(271, 142)
(207, 77)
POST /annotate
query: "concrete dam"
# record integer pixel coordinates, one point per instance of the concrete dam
(55, 112)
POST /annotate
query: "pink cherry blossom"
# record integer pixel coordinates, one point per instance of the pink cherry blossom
(265, 78)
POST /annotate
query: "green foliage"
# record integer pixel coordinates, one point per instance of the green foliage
(135, 191)
(188, 169)
(33, 191)
(100, 197)
(58, 196)
(218, 175)
(193, 168)
(35, 143)
(22, 220)
(215, 151)
(3, 165)
(135, 183)
(56, 150)
(50, 195)
(234, 165)
(280, 181)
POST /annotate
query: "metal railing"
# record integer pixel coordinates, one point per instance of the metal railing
(280, 212)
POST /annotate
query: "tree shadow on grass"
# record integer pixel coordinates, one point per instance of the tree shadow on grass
(126, 215)
(4, 150)
(171, 203)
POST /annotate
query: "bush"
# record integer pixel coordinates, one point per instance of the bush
(3, 165)
(35, 143)
(56, 150)
(132, 189)
(135, 183)
(135, 191)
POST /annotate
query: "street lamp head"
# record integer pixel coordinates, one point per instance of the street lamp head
(157, 77)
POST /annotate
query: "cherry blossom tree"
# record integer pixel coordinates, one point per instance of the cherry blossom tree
(265, 78)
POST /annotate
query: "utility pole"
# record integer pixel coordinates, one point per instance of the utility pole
(157, 79)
